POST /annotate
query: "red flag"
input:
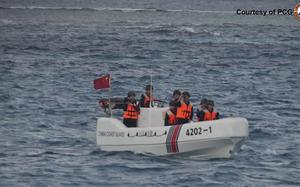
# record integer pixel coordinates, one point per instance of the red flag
(102, 82)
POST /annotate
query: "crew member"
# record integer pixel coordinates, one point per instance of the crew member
(184, 112)
(170, 118)
(147, 97)
(131, 110)
(176, 96)
(210, 114)
(200, 113)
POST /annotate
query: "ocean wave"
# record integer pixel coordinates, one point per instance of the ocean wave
(115, 9)
(187, 29)
(154, 28)
(261, 133)
(6, 21)
(171, 29)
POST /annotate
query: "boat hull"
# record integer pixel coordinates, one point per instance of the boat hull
(213, 139)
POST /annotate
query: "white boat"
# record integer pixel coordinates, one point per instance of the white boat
(204, 140)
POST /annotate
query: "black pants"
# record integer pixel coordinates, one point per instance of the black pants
(130, 122)
(180, 121)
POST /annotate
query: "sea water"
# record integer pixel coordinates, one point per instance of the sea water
(51, 51)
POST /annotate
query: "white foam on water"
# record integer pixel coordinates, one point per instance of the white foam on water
(6, 21)
(187, 29)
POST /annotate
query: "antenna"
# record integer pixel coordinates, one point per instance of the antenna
(151, 97)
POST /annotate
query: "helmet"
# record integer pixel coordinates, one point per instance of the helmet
(203, 101)
(131, 93)
(185, 93)
(176, 92)
(210, 102)
(149, 86)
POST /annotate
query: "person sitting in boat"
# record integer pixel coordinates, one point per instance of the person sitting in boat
(210, 114)
(170, 117)
(184, 112)
(131, 110)
(147, 97)
(200, 113)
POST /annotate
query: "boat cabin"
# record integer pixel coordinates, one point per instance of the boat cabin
(152, 117)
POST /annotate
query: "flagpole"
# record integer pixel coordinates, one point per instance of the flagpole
(104, 82)
(109, 96)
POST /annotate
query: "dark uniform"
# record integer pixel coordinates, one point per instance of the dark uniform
(131, 111)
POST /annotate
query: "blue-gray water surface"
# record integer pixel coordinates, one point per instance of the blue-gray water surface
(51, 51)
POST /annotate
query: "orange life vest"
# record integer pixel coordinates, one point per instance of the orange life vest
(172, 118)
(210, 116)
(184, 111)
(131, 112)
(147, 100)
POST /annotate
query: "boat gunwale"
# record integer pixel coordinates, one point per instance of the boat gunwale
(194, 140)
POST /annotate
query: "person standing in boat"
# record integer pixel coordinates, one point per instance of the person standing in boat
(131, 110)
(210, 114)
(170, 117)
(200, 113)
(176, 99)
(184, 112)
(147, 97)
